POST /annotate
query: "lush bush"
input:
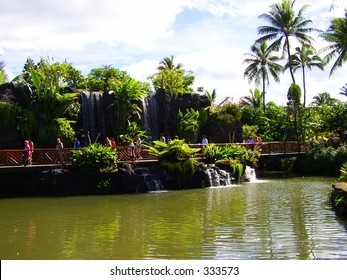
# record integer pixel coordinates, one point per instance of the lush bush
(176, 158)
(95, 157)
(215, 153)
(322, 161)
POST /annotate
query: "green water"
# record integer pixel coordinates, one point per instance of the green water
(282, 218)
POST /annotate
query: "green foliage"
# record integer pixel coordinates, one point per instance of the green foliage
(323, 161)
(236, 168)
(172, 78)
(175, 157)
(180, 170)
(127, 94)
(343, 173)
(214, 153)
(188, 125)
(175, 151)
(95, 157)
(64, 130)
(132, 130)
(104, 79)
(249, 131)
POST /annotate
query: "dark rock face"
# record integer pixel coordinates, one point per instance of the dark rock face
(163, 110)
(64, 181)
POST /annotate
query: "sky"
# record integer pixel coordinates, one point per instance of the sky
(209, 37)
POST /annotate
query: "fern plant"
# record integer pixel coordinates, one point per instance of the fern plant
(95, 157)
(176, 158)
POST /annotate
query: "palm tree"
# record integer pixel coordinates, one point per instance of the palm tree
(254, 100)
(168, 64)
(211, 96)
(323, 99)
(3, 75)
(336, 35)
(344, 90)
(262, 64)
(305, 57)
(284, 24)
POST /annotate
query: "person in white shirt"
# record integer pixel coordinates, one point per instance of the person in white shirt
(204, 143)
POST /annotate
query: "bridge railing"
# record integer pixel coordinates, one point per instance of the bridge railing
(49, 155)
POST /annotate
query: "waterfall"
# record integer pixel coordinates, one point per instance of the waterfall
(149, 116)
(92, 115)
(145, 116)
(218, 177)
(153, 183)
(153, 113)
(250, 175)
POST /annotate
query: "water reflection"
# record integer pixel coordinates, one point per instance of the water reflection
(272, 219)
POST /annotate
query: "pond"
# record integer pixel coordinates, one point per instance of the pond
(275, 218)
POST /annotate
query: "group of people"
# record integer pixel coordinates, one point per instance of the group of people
(134, 147)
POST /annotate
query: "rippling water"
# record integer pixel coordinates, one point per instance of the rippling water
(282, 218)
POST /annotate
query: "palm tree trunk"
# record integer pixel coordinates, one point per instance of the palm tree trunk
(304, 84)
(263, 93)
(289, 60)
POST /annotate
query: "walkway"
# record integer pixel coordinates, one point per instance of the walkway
(48, 156)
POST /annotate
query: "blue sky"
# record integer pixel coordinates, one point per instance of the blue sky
(209, 37)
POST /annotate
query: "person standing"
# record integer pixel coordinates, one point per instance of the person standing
(114, 143)
(108, 142)
(132, 149)
(204, 143)
(31, 145)
(76, 143)
(26, 152)
(59, 151)
(138, 146)
(162, 138)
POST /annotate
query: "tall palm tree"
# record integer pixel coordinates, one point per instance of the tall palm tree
(305, 57)
(285, 23)
(336, 36)
(262, 64)
(168, 64)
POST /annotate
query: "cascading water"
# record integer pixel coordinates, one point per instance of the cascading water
(153, 183)
(150, 116)
(250, 175)
(92, 115)
(217, 176)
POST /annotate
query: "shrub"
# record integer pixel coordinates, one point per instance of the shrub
(175, 157)
(95, 157)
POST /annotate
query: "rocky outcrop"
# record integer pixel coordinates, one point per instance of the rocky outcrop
(129, 178)
(339, 198)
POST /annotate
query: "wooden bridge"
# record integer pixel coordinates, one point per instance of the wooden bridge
(49, 155)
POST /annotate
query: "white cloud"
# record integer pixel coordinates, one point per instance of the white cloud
(209, 37)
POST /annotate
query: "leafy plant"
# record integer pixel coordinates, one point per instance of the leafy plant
(343, 173)
(215, 153)
(236, 168)
(176, 158)
(95, 157)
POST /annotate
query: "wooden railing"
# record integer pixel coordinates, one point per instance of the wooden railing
(49, 156)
